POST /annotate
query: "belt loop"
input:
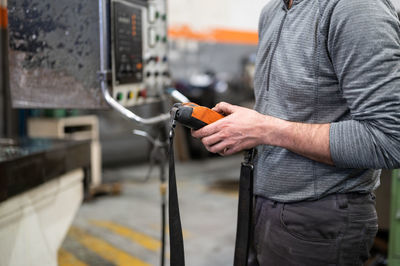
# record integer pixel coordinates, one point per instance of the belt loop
(342, 201)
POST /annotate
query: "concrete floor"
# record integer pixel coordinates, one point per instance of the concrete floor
(124, 229)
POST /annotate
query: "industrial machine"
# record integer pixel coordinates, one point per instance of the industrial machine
(61, 53)
(90, 55)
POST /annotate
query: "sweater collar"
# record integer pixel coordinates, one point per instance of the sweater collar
(286, 2)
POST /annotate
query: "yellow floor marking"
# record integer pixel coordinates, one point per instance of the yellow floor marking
(140, 238)
(227, 193)
(185, 234)
(67, 259)
(105, 250)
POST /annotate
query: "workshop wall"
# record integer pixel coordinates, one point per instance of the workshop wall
(206, 16)
(212, 35)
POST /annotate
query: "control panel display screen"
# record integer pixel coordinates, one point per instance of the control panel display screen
(128, 43)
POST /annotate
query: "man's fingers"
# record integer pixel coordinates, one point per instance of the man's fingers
(218, 148)
(211, 140)
(222, 149)
(224, 108)
(206, 131)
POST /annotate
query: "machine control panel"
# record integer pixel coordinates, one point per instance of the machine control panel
(139, 51)
(129, 44)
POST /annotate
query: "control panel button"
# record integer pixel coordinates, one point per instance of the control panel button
(120, 96)
(153, 58)
(130, 95)
(152, 14)
(152, 37)
(143, 93)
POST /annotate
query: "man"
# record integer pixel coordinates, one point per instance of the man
(327, 114)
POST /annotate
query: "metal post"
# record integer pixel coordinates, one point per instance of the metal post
(9, 116)
(3, 44)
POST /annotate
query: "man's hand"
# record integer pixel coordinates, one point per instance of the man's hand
(243, 128)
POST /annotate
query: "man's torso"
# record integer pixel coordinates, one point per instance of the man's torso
(295, 80)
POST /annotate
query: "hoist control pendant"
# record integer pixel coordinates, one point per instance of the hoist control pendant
(194, 116)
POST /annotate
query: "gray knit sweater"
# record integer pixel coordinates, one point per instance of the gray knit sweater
(329, 61)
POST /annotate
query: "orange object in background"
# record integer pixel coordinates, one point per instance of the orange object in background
(3, 18)
(217, 35)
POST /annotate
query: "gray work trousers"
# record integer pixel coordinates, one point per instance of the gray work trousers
(336, 230)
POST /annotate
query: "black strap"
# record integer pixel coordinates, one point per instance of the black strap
(245, 211)
(175, 228)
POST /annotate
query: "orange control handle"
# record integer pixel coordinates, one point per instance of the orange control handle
(194, 116)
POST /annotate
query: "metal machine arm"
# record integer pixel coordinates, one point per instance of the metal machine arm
(132, 116)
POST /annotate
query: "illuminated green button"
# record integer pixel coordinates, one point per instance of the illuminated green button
(120, 96)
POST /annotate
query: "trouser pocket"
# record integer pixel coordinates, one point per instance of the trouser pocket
(336, 230)
(323, 220)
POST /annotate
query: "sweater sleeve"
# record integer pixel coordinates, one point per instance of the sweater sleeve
(364, 45)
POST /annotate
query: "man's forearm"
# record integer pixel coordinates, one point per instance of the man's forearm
(309, 140)
(243, 128)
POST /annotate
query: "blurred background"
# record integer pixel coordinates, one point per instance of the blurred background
(78, 187)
